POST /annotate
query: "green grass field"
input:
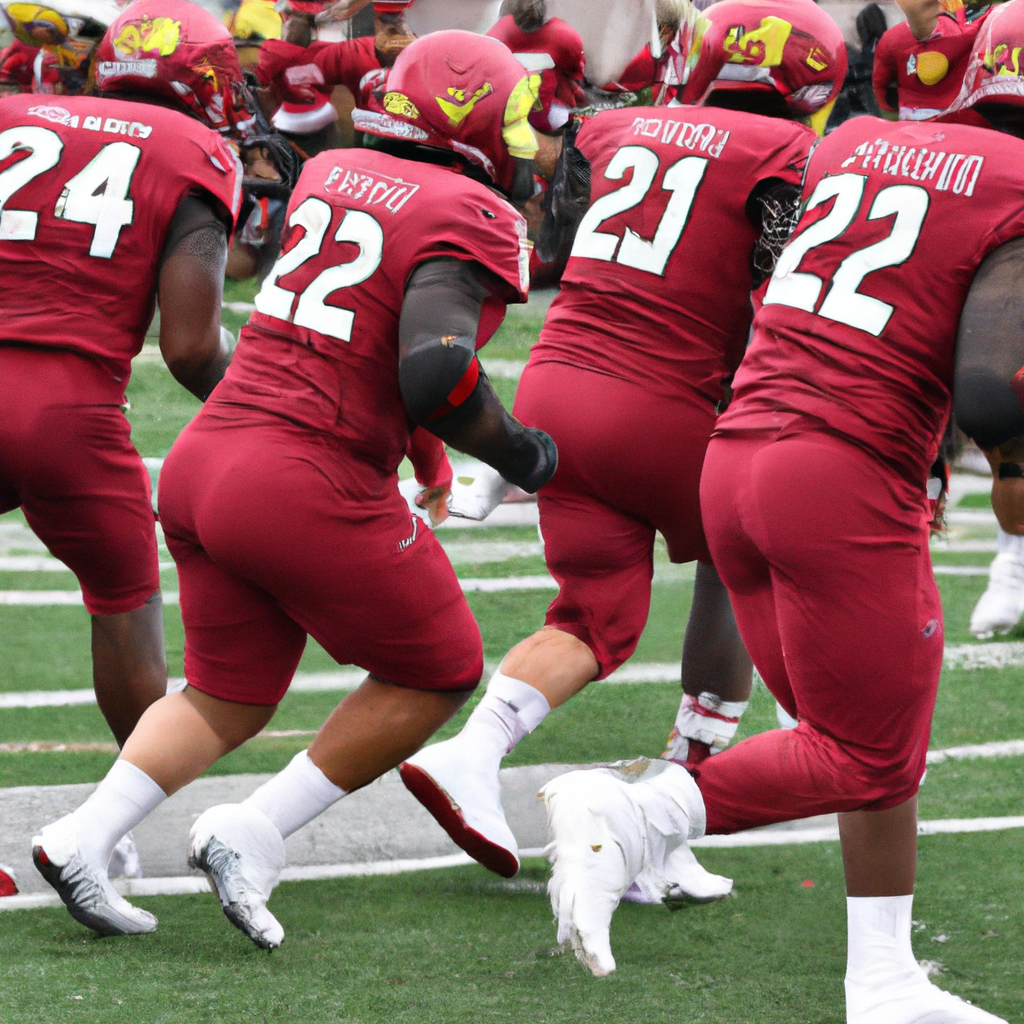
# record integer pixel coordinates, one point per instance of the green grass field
(459, 945)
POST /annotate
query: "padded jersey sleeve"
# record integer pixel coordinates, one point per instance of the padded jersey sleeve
(209, 166)
(477, 224)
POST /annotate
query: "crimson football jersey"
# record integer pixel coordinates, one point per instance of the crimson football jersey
(858, 329)
(657, 290)
(88, 188)
(321, 350)
(927, 74)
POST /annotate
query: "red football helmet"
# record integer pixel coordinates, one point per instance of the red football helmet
(177, 51)
(555, 51)
(995, 73)
(464, 92)
(790, 46)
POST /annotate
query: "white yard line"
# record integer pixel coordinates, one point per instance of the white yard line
(190, 884)
(957, 656)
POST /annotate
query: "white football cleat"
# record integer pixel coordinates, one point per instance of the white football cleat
(86, 892)
(477, 495)
(124, 861)
(608, 826)
(913, 1000)
(1000, 608)
(684, 881)
(463, 793)
(242, 853)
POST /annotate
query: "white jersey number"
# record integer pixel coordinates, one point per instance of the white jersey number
(311, 311)
(682, 179)
(97, 195)
(842, 302)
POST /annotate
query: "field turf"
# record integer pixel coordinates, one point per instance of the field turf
(459, 945)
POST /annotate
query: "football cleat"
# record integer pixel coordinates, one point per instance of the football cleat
(242, 853)
(608, 826)
(684, 881)
(8, 881)
(464, 796)
(912, 1001)
(477, 495)
(85, 891)
(1000, 608)
(124, 861)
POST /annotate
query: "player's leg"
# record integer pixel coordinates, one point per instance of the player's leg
(717, 674)
(602, 557)
(1001, 607)
(129, 664)
(86, 494)
(860, 621)
(178, 737)
(350, 566)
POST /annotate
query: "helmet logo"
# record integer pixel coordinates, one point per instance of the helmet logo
(159, 34)
(762, 46)
(461, 109)
(817, 59)
(399, 104)
(1002, 60)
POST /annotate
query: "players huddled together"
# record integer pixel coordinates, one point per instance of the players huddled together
(759, 339)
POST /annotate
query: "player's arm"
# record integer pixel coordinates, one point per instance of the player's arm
(988, 387)
(883, 78)
(449, 311)
(190, 286)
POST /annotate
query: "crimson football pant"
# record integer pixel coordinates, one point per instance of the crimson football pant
(825, 554)
(277, 534)
(629, 465)
(66, 458)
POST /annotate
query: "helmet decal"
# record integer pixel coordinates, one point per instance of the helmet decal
(458, 108)
(762, 46)
(148, 35)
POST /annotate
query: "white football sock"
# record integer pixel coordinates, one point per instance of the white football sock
(123, 799)
(508, 711)
(1008, 543)
(295, 795)
(878, 940)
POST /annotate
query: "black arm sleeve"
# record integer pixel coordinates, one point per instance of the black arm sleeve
(990, 350)
(567, 200)
(437, 347)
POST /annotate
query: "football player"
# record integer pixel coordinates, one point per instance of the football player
(900, 286)
(110, 202)
(645, 335)
(280, 501)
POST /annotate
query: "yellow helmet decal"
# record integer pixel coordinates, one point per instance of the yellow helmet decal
(1002, 60)
(458, 107)
(762, 46)
(517, 132)
(159, 34)
(400, 104)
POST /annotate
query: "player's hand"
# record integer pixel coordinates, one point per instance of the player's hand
(434, 501)
(477, 496)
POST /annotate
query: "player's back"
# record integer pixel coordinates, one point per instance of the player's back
(858, 330)
(657, 289)
(88, 188)
(321, 350)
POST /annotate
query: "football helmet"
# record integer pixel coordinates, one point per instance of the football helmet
(995, 73)
(462, 92)
(790, 46)
(176, 51)
(555, 52)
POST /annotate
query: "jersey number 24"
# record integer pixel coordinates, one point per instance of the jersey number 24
(97, 195)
